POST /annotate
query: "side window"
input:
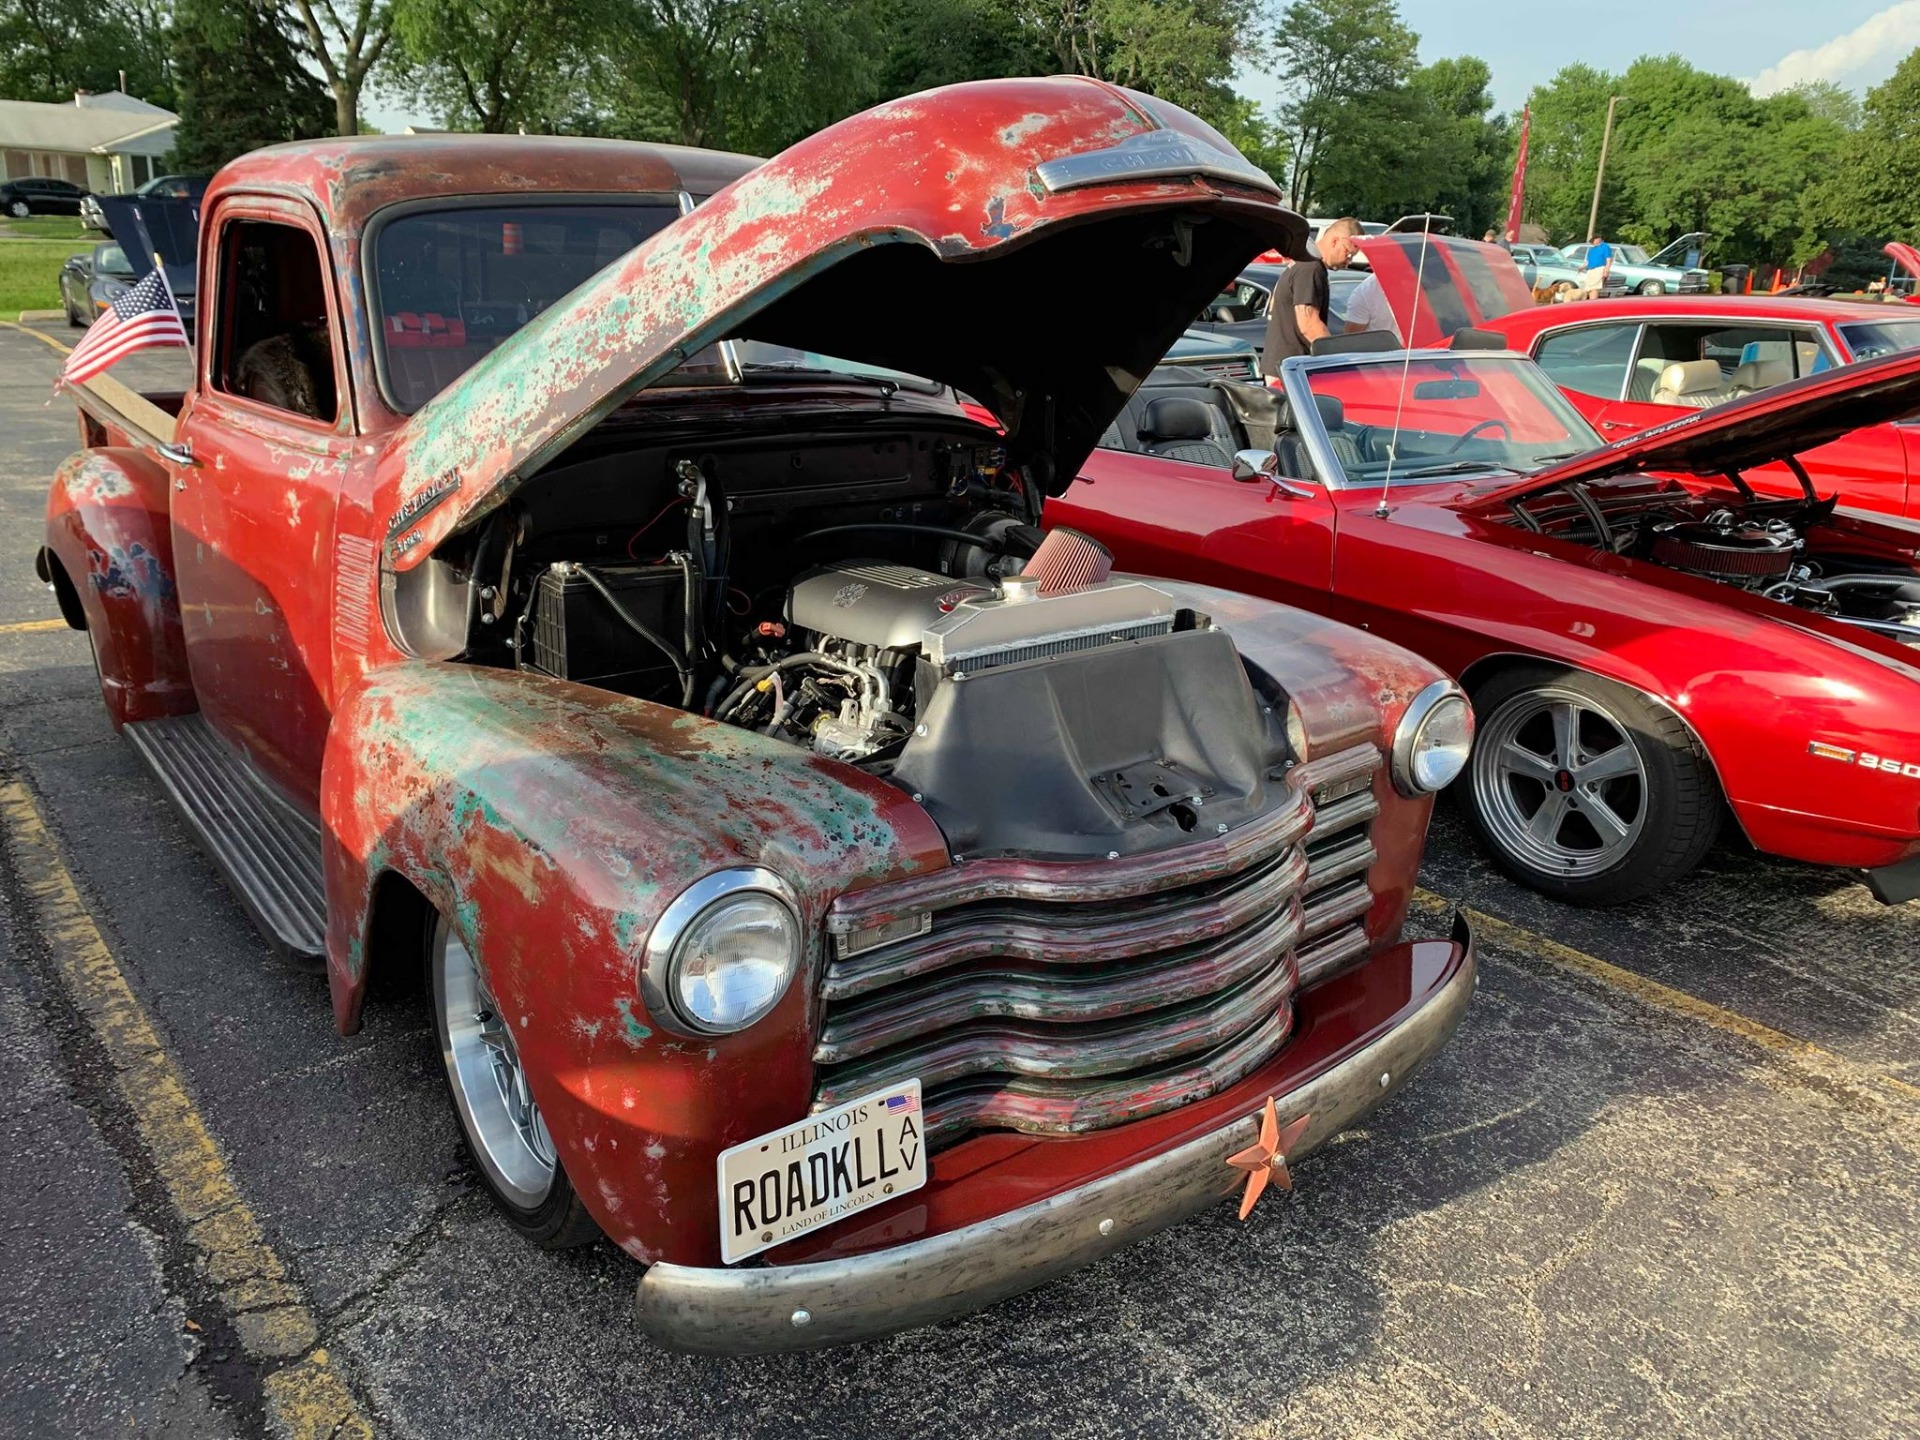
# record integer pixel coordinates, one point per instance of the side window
(273, 342)
(1592, 359)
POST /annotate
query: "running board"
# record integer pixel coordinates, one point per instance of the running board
(268, 851)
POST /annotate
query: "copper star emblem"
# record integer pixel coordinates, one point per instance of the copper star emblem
(1267, 1160)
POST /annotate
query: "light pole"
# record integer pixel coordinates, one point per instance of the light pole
(1600, 171)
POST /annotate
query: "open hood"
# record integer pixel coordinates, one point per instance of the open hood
(1457, 283)
(1684, 253)
(942, 234)
(146, 227)
(1905, 256)
(1761, 428)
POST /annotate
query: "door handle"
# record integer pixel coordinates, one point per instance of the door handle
(1615, 425)
(177, 454)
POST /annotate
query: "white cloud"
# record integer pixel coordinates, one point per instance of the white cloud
(1863, 56)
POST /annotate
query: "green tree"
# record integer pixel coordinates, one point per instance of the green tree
(1876, 188)
(749, 75)
(1563, 149)
(242, 83)
(1181, 50)
(51, 48)
(1338, 60)
(348, 43)
(495, 65)
(942, 42)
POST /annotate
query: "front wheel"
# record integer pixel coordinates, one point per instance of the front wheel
(19, 209)
(494, 1102)
(1653, 287)
(1584, 790)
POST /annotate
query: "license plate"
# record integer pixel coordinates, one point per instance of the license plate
(820, 1170)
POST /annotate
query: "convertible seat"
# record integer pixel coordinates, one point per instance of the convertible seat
(1180, 427)
(1691, 385)
(1348, 446)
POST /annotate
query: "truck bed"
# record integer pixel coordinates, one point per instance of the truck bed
(113, 413)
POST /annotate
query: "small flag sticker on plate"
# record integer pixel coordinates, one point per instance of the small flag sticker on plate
(903, 1104)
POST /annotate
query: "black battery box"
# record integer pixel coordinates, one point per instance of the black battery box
(578, 636)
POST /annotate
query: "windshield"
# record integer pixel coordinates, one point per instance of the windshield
(1456, 415)
(1881, 337)
(1633, 254)
(110, 260)
(451, 285)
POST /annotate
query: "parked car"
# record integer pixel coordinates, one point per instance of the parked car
(806, 869)
(1645, 274)
(160, 187)
(1649, 653)
(1548, 275)
(1627, 366)
(39, 195)
(93, 280)
(1239, 312)
(1224, 357)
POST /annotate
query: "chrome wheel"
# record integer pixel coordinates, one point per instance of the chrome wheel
(1560, 783)
(490, 1088)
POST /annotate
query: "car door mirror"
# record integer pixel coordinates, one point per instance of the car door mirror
(1251, 465)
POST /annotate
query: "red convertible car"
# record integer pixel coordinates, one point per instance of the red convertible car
(1648, 652)
(560, 581)
(1631, 364)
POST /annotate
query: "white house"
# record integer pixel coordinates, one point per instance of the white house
(106, 143)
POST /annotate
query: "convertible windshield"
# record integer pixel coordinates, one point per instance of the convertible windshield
(1881, 337)
(450, 285)
(1453, 415)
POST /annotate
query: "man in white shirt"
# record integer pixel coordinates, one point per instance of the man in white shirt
(1367, 309)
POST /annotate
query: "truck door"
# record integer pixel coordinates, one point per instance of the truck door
(270, 432)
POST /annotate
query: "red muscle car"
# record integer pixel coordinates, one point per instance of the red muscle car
(854, 914)
(1631, 364)
(1649, 652)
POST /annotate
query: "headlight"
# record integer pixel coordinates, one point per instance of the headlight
(1430, 746)
(723, 953)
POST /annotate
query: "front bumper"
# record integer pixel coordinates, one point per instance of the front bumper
(833, 1302)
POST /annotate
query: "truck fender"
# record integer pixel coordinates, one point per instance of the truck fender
(551, 824)
(109, 551)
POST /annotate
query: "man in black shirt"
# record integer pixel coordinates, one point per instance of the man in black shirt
(1297, 313)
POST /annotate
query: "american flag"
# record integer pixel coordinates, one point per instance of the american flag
(141, 318)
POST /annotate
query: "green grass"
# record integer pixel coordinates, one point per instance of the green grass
(45, 227)
(30, 273)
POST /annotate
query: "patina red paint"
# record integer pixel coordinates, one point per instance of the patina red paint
(550, 824)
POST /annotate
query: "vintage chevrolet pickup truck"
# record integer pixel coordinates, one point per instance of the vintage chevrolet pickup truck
(560, 580)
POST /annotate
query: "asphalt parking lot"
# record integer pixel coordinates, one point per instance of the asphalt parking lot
(1663, 1182)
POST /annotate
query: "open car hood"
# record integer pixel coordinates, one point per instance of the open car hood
(1770, 425)
(942, 235)
(1905, 256)
(1457, 283)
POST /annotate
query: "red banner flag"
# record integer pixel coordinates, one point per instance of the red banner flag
(1519, 180)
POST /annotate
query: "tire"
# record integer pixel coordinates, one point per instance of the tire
(19, 209)
(499, 1121)
(1652, 287)
(73, 315)
(1648, 813)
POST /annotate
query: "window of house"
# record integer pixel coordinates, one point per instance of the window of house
(274, 344)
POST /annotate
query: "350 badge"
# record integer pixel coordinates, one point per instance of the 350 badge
(1883, 763)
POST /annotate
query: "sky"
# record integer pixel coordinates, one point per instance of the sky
(1772, 44)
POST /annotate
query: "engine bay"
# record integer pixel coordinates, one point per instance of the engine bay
(1794, 551)
(882, 598)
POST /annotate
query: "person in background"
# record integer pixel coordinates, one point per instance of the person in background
(1599, 262)
(1367, 309)
(1297, 313)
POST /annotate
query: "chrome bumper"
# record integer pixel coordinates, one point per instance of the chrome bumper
(833, 1302)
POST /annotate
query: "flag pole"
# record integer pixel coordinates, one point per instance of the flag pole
(161, 267)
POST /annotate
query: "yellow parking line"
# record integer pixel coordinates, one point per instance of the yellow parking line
(28, 627)
(39, 335)
(1825, 1066)
(307, 1396)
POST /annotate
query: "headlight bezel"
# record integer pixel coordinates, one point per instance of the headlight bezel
(659, 967)
(1407, 736)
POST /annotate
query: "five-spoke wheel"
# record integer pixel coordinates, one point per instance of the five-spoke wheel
(1584, 789)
